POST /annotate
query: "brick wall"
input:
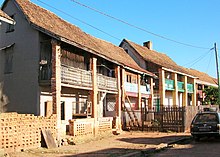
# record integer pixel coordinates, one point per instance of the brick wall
(23, 131)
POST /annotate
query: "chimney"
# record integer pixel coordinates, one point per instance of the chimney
(148, 44)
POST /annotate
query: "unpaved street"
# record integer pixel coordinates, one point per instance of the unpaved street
(203, 148)
(114, 146)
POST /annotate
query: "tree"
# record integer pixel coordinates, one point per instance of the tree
(211, 96)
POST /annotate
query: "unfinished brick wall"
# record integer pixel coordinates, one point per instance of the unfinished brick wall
(83, 127)
(23, 131)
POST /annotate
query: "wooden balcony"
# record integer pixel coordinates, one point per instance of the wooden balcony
(133, 88)
(169, 84)
(106, 83)
(190, 88)
(76, 76)
(180, 86)
(79, 78)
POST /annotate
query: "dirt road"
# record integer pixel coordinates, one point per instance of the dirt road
(115, 145)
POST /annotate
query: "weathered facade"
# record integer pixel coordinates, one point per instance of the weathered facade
(175, 86)
(52, 67)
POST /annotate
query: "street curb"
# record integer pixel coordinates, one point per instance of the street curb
(152, 150)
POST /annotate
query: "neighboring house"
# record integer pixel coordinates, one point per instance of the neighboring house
(204, 81)
(175, 86)
(54, 67)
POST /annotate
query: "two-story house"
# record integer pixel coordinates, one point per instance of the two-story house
(52, 66)
(174, 86)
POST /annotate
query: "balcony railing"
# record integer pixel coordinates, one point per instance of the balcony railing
(76, 76)
(180, 86)
(132, 87)
(190, 88)
(169, 84)
(106, 83)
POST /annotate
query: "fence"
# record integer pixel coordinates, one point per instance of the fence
(23, 131)
(176, 119)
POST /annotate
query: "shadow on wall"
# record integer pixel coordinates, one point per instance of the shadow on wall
(3, 100)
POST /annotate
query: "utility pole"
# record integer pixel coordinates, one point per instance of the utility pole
(217, 67)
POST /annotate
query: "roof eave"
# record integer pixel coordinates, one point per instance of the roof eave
(12, 22)
(174, 71)
(206, 83)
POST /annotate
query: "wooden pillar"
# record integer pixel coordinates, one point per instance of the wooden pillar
(56, 83)
(139, 91)
(94, 94)
(203, 95)
(185, 94)
(194, 95)
(151, 100)
(123, 86)
(175, 92)
(118, 99)
(162, 86)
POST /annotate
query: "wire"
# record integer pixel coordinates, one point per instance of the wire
(209, 63)
(137, 27)
(79, 20)
(198, 59)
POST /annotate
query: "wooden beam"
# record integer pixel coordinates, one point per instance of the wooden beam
(56, 83)
(162, 86)
(175, 92)
(118, 98)
(94, 94)
(185, 94)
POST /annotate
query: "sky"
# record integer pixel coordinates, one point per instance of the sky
(194, 23)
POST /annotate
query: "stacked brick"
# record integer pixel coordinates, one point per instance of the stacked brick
(82, 127)
(23, 131)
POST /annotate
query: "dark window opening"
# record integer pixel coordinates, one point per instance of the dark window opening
(10, 27)
(62, 110)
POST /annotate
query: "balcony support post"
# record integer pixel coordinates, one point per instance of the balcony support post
(56, 83)
(194, 97)
(151, 100)
(162, 86)
(123, 86)
(139, 91)
(175, 92)
(118, 99)
(94, 94)
(185, 94)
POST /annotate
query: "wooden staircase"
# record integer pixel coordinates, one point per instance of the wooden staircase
(133, 117)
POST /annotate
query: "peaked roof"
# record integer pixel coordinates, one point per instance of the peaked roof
(4, 17)
(160, 59)
(51, 24)
(203, 76)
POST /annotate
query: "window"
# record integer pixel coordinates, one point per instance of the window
(8, 60)
(62, 110)
(129, 78)
(10, 27)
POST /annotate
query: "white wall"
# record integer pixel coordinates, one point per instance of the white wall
(68, 101)
(168, 99)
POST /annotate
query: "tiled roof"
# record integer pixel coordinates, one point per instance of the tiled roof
(203, 76)
(155, 57)
(57, 27)
(5, 16)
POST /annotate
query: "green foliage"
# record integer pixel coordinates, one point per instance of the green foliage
(211, 96)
